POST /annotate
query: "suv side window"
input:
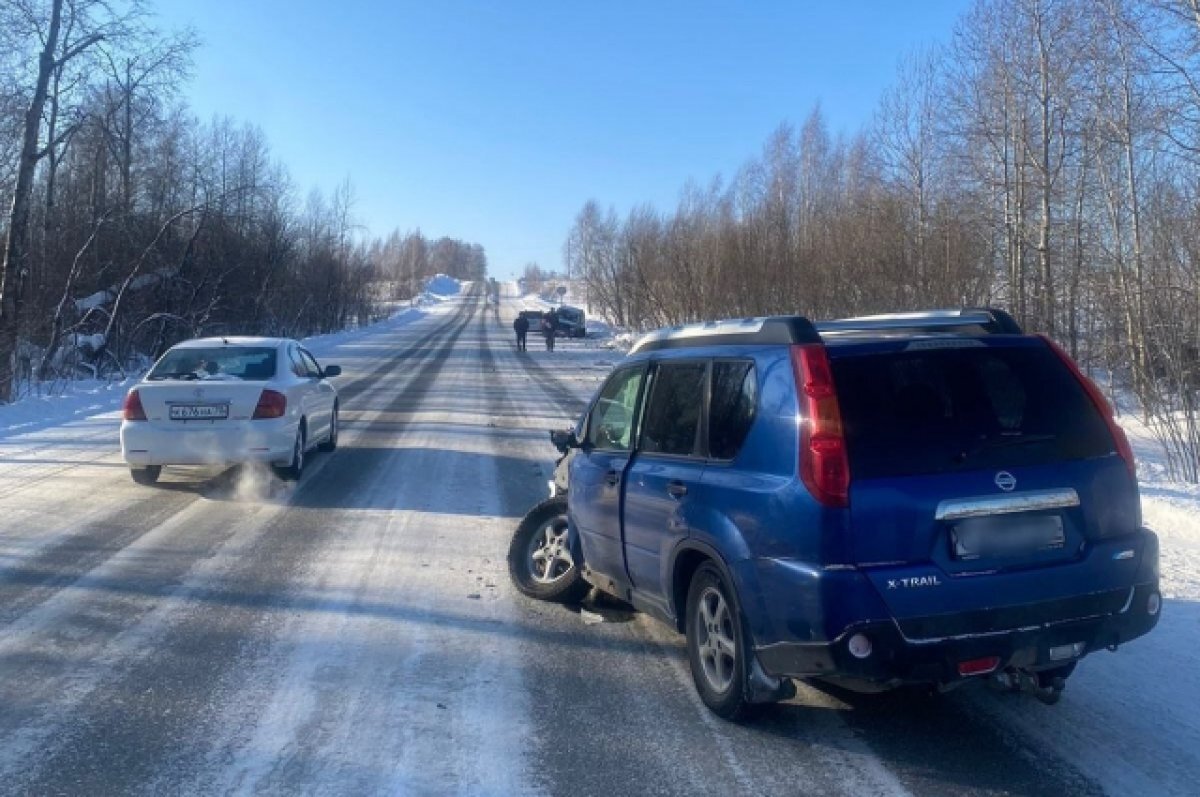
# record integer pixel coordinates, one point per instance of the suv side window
(610, 426)
(732, 407)
(676, 407)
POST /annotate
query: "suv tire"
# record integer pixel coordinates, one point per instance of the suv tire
(542, 533)
(716, 644)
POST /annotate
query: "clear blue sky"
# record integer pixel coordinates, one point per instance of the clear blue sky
(495, 122)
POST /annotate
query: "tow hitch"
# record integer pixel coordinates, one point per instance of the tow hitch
(1045, 686)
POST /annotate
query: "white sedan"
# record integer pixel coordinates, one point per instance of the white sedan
(220, 401)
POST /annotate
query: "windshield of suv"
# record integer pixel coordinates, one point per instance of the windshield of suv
(927, 411)
(218, 362)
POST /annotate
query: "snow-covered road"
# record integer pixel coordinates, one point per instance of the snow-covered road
(357, 634)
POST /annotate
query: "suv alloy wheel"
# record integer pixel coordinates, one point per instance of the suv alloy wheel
(716, 645)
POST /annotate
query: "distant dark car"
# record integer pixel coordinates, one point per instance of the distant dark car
(571, 321)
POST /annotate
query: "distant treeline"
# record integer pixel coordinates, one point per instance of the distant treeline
(1046, 160)
(129, 225)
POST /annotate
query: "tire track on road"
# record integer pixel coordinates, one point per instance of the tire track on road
(559, 392)
(125, 739)
(27, 584)
(654, 708)
(60, 652)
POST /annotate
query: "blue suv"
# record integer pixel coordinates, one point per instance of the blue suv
(919, 498)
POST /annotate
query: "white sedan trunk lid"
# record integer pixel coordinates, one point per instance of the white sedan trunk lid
(207, 403)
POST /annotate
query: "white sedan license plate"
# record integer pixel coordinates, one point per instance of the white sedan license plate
(198, 412)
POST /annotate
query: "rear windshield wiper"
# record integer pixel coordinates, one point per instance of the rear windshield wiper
(1003, 440)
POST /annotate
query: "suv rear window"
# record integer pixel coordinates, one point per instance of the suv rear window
(930, 411)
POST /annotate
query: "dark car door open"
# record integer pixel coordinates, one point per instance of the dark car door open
(598, 472)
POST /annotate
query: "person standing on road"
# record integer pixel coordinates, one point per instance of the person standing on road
(521, 327)
(550, 328)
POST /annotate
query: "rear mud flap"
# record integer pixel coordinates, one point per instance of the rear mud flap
(763, 688)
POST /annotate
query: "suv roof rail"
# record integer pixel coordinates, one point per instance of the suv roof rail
(737, 331)
(966, 321)
(798, 329)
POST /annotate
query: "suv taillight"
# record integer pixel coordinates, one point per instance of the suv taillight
(132, 409)
(271, 404)
(824, 463)
(1102, 406)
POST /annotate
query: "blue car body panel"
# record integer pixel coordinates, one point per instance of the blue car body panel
(656, 521)
(807, 575)
(596, 508)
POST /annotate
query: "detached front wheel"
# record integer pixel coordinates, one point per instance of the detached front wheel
(539, 561)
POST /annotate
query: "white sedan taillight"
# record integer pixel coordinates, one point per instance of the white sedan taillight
(132, 408)
(271, 404)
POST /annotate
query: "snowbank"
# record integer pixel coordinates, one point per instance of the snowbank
(439, 289)
(79, 399)
(441, 285)
(85, 398)
(1172, 509)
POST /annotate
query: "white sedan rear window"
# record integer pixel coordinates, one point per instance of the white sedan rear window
(222, 362)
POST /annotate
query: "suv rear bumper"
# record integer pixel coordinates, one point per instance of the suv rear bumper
(804, 630)
(895, 659)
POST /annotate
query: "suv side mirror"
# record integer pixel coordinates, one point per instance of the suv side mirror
(564, 439)
(332, 370)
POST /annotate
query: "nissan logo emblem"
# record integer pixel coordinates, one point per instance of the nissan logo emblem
(1006, 481)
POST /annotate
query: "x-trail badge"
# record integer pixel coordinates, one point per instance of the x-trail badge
(1006, 481)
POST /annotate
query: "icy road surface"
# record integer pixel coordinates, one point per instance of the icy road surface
(357, 633)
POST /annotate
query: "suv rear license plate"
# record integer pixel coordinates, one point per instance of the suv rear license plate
(198, 412)
(1007, 535)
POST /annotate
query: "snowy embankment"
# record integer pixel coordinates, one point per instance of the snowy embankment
(86, 398)
(438, 289)
(1173, 510)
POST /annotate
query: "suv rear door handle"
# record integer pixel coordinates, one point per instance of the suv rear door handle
(676, 489)
(612, 478)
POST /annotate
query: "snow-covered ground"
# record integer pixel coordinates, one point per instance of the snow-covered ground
(391, 649)
(1173, 510)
